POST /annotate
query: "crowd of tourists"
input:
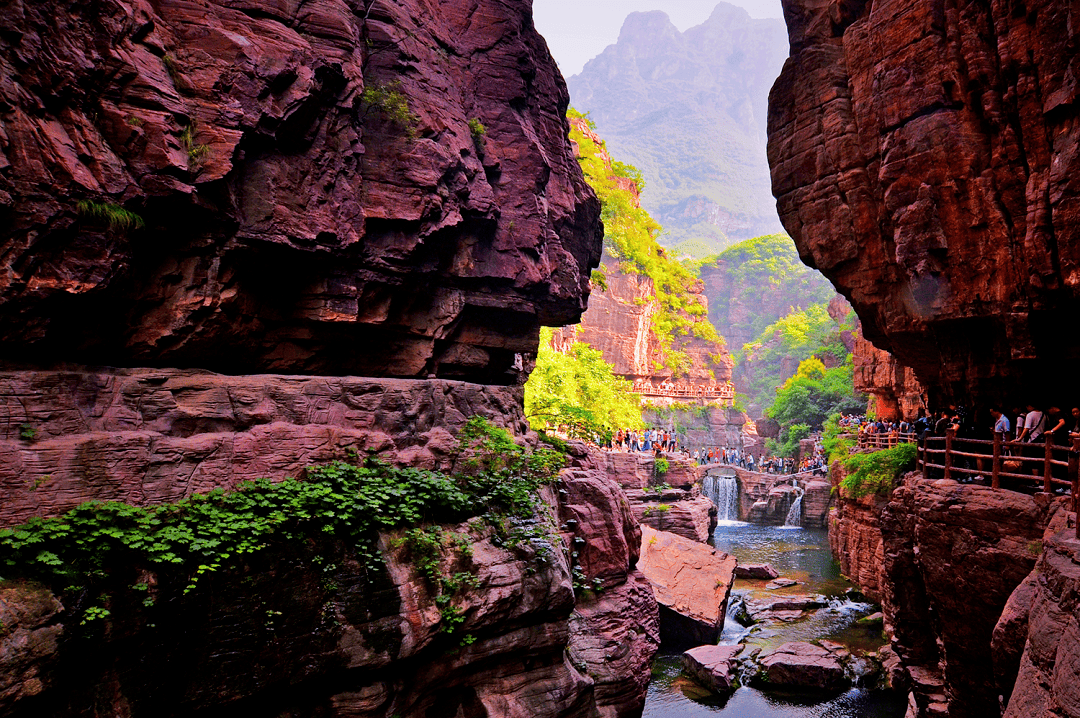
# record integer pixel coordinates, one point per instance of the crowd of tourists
(653, 440)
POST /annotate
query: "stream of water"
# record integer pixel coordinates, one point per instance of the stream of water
(804, 555)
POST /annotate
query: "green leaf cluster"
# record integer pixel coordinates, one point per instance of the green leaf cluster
(877, 471)
(836, 447)
(630, 236)
(579, 390)
(111, 214)
(796, 336)
(97, 547)
(389, 101)
(814, 393)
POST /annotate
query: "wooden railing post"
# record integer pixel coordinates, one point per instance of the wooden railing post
(995, 479)
(1048, 485)
(926, 458)
(1074, 477)
(950, 434)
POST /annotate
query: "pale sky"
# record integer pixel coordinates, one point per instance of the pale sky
(579, 30)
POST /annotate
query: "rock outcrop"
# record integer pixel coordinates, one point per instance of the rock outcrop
(895, 392)
(692, 583)
(923, 158)
(713, 667)
(684, 512)
(767, 498)
(1049, 626)
(953, 554)
(804, 665)
(287, 188)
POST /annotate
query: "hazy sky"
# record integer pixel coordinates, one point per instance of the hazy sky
(579, 30)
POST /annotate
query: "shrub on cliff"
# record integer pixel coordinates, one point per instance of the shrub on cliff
(877, 471)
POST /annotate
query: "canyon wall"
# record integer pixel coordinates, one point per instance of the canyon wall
(924, 159)
(243, 238)
(287, 188)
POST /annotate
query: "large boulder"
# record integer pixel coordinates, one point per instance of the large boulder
(692, 583)
(680, 511)
(713, 667)
(803, 665)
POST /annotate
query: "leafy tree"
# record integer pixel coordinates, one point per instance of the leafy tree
(578, 389)
(814, 393)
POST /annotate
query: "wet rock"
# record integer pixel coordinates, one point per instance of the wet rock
(781, 583)
(756, 571)
(803, 665)
(873, 619)
(29, 641)
(692, 583)
(781, 608)
(713, 667)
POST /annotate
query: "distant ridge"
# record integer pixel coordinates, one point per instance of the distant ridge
(689, 109)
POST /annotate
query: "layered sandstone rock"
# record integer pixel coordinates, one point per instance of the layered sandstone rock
(713, 667)
(147, 436)
(314, 199)
(895, 392)
(767, 498)
(923, 158)
(684, 512)
(329, 638)
(692, 583)
(1049, 608)
(953, 554)
(805, 665)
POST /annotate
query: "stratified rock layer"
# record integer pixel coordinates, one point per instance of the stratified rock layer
(314, 198)
(924, 159)
(147, 436)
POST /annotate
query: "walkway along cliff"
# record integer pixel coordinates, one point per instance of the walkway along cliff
(358, 215)
(924, 159)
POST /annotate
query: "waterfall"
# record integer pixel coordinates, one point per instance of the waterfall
(794, 514)
(723, 491)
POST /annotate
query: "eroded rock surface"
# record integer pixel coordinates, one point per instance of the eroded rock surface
(803, 665)
(692, 583)
(923, 158)
(314, 198)
(147, 436)
(713, 666)
(680, 511)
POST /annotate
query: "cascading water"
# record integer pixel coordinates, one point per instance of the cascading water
(794, 514)
(723, 491)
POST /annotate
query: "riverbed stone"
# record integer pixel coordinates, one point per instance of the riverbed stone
(756, 571)
(713, 666)
(803, 665)
(781, 583)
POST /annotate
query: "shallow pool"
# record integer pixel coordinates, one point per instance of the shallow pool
(802, 554)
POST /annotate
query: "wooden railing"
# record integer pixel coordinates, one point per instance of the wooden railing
(1047, 461)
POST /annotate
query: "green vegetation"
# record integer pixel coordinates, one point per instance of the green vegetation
(876, 472)
(814, 393)
(92, 554)
(196, 152)
(577, 390)
(388, 100)
(661, 466)
(111, 214)
(477, 129)
(835, 446)
(630, 236)
(27, 432)
(794, 337)
(787, 444)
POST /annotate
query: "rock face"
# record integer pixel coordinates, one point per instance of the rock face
(147, 436)
(684, 512)
(1048, 606)
(338, 641)
(339, 216)
(924, 160)
(767, 498)
(895, 392)
(692, 583)
(953, 555)
(855, 537)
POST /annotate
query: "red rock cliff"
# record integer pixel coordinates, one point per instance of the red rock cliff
(313, 197)
(924, 159)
